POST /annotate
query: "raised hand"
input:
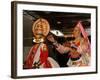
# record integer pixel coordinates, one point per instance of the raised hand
(51, 38)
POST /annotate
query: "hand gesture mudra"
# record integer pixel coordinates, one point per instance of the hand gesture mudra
(51, 38)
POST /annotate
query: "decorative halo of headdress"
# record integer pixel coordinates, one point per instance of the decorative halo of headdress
(45, 29)
(45, 25)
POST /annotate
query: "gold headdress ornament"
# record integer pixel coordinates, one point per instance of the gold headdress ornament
(40, 30)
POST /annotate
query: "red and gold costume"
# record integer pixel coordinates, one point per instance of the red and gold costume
(38, 54)
(42, 57)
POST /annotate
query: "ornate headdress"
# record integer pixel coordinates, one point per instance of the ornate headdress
(43, 23)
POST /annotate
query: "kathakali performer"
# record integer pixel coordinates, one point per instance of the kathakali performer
(38, 54)
(81, 47)
(79, 50)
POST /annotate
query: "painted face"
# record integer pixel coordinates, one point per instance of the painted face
(39, 29)
(76, 32)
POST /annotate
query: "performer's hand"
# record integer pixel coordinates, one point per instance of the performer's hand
(51, 38)
(62, 49)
